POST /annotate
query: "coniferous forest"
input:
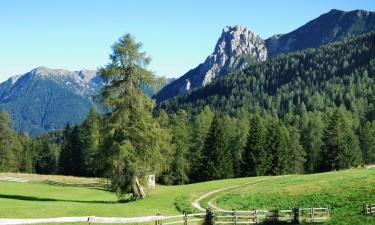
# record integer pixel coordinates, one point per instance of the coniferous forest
(304, 112)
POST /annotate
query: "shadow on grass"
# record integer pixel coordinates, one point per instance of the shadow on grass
(33, 198)
(89, 185)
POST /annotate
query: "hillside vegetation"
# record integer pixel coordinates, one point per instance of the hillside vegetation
(344, 192)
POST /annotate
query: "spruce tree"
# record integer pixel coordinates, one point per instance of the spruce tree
(217, 162)
(297, 155)
(10, 147)
(340, 146)
(181, 140)
(26, 159)
(90, 135)
(255, 157)
(276, 145)
(200, 129)
(367, 141)
(65, 162)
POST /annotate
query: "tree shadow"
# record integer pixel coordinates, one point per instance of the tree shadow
(33, 198)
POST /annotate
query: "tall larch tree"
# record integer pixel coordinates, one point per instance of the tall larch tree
(132, 145)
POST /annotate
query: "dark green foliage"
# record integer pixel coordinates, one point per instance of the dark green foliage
(46, 159)
(200, 128)
(340, 148)
(367, 142)
(10, 147)
(26, 157)
(255, 155)
(181, 139)
(297, 155)
(90, 138)
(217, 162)
(276, 145)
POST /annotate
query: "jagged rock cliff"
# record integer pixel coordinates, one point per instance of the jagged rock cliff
(236, 48)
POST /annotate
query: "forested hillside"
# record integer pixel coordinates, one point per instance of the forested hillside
(340, 73)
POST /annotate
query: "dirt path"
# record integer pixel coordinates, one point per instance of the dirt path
(196, 203)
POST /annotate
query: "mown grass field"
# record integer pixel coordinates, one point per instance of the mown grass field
(344, 192)
(41, 200)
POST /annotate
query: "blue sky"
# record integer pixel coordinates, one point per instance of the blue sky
(178, 35)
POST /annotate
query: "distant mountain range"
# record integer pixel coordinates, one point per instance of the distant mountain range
(46, 99)
(238, 47)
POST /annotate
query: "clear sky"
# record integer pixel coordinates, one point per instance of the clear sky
(178, 35)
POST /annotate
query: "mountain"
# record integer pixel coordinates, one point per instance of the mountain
(46, 99)
(332, 26)
(339, 73)
(238, 47)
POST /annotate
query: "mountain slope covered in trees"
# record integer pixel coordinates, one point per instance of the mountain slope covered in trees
(340, 73)
(237, 46)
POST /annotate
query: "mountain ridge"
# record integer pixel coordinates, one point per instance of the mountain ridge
(337, 24)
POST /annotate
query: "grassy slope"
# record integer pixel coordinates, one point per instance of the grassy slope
(344, 192)
(38, 200)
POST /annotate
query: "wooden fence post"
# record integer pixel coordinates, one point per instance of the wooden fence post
(209, 217)
(158, 221)
(296, 215)
(256, 216)
(185, 218)
(234, 217)
(313, 214)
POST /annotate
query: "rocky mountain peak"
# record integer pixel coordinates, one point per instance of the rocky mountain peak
(236, 47)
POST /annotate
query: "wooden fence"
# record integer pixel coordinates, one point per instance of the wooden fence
(369, 209)
(293, 216)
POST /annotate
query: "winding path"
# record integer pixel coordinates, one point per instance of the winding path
(196, 203)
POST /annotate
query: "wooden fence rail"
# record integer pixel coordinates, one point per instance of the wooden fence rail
(235, 217)
(369, 209)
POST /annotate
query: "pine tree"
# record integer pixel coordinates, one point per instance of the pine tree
(217, 162)
(47, 157)
(367, 141)
(10, 147)
(200, 129)
(181, 140)
(340, 146)
(297, 153)
(255, 157)
(76, 150)
(26, 159)
(90, 135)
(311, 138)
(65, 162)
(276, 145)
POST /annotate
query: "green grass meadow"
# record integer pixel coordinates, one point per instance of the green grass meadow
(344, 192)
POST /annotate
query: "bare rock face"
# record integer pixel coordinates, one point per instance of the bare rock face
(236, 48)
(233, 51)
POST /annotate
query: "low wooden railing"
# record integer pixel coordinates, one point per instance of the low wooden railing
(369, 209)
(298, 215)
